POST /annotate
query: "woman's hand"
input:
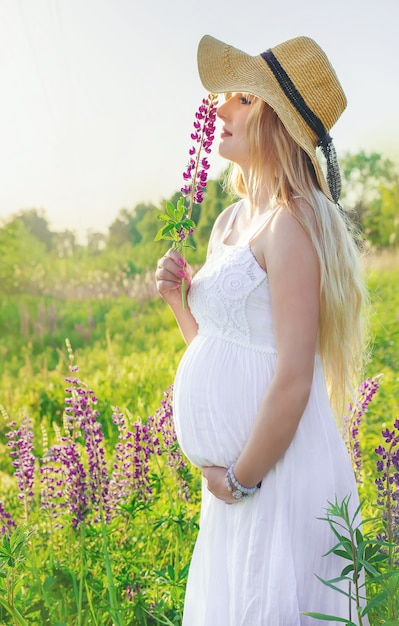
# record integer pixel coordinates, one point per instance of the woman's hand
(215, 480)
(171, 269)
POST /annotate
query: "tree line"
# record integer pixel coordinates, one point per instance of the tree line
(31, 253)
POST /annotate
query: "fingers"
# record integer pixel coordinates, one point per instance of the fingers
(171, 267)
(170, 271)
(215, 483)
(174, 257)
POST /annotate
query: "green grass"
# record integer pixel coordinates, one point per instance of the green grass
(127, 352)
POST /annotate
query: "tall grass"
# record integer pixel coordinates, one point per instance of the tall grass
(133, 566)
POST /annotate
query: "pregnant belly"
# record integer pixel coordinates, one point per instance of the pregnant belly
(217, 391)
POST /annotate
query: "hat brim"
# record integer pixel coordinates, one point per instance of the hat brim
(223, 68)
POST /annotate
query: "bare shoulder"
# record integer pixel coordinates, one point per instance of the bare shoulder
(286, 224)
(285, 218)
(289, 244)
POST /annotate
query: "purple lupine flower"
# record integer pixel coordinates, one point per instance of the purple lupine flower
(388, 482)
(203, 135)
(195, 176)
(20, 443)
(81, 404)
(76, 490)
(51, 484)
(353, 418)
(163, 425)
(64, 482)
(7, 524)
(178, 225)
(136, 446)
(120, 487)
(142, 450)
(130, 475)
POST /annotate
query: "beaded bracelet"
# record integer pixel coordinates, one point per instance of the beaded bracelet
(240, 491)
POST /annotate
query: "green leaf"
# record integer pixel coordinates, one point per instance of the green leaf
(347, 569)
(159, 235)
(187, 223)
(346, 544)
(184, 572)
(168, 228)
(163, 231)
(378, 558)
(170, 209)
(330, 583)
(344, 554)
(180, 204)
(163, 217)
(330, 618)
(371, 550)
(359, 536)
(18, 618)
(6, 548)
(369, 567)
(378, 601)
(49, 583)
(179, 213)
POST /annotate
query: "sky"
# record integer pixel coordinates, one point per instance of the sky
(98, 96)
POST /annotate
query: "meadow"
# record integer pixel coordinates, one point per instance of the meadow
(98, 509)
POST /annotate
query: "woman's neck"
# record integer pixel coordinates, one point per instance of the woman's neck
(258, 201)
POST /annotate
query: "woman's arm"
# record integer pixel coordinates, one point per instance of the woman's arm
(294, 280)
(170, 270)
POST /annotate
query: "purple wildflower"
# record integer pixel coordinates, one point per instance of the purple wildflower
(388, 481)
(353, 418)
(51, 483)
(135, 448)
(121, 483)
(130, 475)
(7, 524)
(178, 225)
(142, 450)
(64, 482)
(163, 425)
(82, 411)
(20, 442)
(195, 174)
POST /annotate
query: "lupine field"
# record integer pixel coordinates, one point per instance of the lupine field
(99, 510)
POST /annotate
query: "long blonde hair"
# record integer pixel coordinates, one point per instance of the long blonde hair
(284, 169)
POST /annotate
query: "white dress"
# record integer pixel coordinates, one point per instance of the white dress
(254, 562)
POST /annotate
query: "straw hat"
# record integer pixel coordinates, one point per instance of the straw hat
(297, 80)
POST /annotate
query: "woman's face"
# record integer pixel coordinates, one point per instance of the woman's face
(234, 115)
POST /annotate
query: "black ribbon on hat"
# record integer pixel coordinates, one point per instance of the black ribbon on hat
(315, 124)
(333, 173)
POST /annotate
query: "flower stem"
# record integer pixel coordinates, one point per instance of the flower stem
(82, 571)
(114, 612)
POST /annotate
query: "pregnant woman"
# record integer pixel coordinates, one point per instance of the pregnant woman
(274, 341)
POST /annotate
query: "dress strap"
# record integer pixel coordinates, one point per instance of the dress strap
(234, 215)
(231, 219)
(268, 218)
(263, 225)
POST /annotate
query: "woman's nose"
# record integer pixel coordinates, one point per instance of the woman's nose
(221, 111)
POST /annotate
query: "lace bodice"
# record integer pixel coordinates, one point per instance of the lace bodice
(229, 298)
